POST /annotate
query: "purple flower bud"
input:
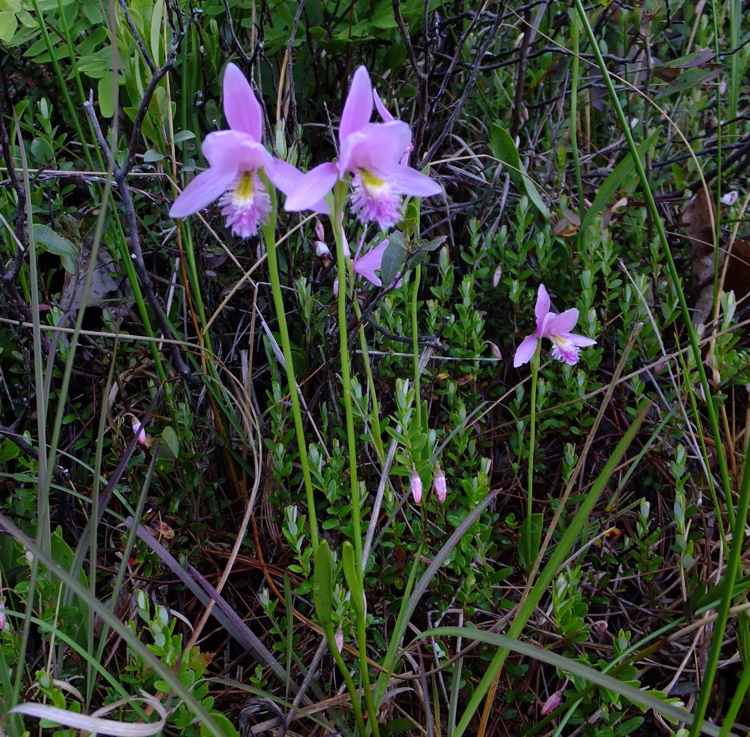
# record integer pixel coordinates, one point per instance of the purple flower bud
(552, 703)
(319, 232)
(441, 488)
(3, 619)
(415, 482)
(339, 638)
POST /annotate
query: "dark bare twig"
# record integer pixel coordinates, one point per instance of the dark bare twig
(131, 219)
(137, 37)
(490, 36)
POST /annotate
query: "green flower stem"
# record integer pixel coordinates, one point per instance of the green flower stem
(347, 676)
(337, 225)
(573, 125)
(375, 429)
(269, 237)
(532, 431)
(346, 376)
(415, 344)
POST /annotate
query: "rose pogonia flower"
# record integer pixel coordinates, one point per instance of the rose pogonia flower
(236, 157)
(374, 154)
(565, 345)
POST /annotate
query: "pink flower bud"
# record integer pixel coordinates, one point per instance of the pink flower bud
(441, 488)
(3, 619)
(319, 232)
(497, 275)
(415, 482)
(140, 431)
(322, 250)
(339, 638)
(552, 703)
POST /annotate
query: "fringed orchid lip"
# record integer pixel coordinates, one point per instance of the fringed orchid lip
(566, 346)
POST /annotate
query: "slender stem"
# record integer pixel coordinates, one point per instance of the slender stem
(269, 237)
(347, 676)
(573, 125)
(671, 267)
(532, 432)
(736, 703)
(727, 585)
(346, 377)
(375, 429)
(415, 344)
(337, 225)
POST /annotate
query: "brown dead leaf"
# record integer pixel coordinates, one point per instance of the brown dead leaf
(568, 224)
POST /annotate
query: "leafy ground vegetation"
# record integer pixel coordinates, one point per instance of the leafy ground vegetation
(448, 437)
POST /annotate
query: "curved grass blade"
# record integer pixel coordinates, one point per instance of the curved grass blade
(634, 695)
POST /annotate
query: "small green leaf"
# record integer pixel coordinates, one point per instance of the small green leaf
(182, 136)
(152, 156)
(169, 436)
(353, 580)
(156, 20)
(393, 259)
(106, 88)
(323, 584)
(55, 243)
(8, 25)
(505, 150)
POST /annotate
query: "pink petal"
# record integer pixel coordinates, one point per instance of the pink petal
(241, 108)
(287, 178)
(525, 351)
(225, 148)
(406, 180)
(542, 305)
(358, 106)
(202, 191)
(367, 265)
(580, 340)
(562, 323)
(382, 110)
(313, 187)
(378, 147)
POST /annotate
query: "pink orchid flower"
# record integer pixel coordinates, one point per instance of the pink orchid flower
(565, 345)
(236, 157)
(375, 154)
(367, 265)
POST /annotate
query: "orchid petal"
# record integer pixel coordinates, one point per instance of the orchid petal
(358, 105)
(367, 265)
(542, 305)
(580, 340)
(378, 147)
(562, 323)
(382, 109)
(241, 107)
(202, 191)
(313, 187)
(286, 178)
(406, 180)
(233, 149)
(525, 351)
